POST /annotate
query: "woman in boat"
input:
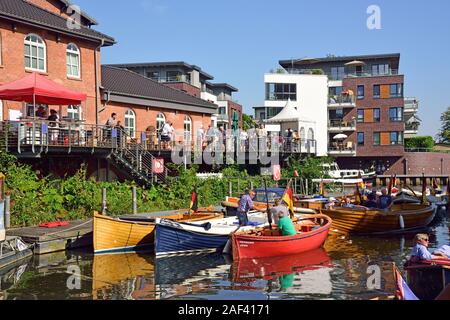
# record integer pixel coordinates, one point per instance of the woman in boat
(420, 251)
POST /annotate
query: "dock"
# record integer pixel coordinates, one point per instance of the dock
(77, 234)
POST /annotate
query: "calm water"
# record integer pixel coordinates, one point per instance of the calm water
(340, 271)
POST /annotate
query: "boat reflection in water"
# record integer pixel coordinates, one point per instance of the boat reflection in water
(306, 273)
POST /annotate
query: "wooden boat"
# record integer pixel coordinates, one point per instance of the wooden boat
(312, 234)
(132, 234)
(175, 238)
(401, 218)
(428, 279)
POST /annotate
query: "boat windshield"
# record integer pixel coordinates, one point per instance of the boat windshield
(261, 196)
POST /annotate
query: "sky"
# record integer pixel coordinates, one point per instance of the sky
(239, 41)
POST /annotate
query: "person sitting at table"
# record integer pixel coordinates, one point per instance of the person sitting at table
(41, 112)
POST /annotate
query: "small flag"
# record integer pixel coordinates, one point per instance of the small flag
(404, 292)
(194, 201)
(322, 189)
(296, 174)
(276, 172)
(392, 184)
(288, 199)
(357, 195)
(435, 187)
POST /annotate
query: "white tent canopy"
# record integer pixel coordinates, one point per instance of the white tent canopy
(290, 113)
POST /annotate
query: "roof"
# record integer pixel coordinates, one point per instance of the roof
(290, 113)
(164, 64)
(27, 13)
(285, 63)
(222, 85)
(92, 21)
(128, 83)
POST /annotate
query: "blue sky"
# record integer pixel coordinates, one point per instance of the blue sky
(239, 41)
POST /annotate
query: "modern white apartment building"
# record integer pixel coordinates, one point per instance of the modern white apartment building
(305, 97)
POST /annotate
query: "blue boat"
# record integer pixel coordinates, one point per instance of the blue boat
(175, 238)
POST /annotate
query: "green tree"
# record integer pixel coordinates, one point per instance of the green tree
(444, 134)
(247, 122)
(420, 143)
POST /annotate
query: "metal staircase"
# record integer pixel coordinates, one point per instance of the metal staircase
(133, 157)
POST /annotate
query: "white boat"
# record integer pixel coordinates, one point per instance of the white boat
(333, 171)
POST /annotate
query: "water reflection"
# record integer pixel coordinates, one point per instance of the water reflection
(339, 271)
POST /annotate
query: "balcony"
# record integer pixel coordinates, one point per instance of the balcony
(178, 78)
(222, 118)
(411, 105)
(340, 76)
(340, 149)
(339, 125)
(341, 101)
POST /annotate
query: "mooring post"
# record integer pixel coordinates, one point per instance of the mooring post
(307, 187)
(295, 186)
(230, 189)
(7, 212)
(135, 200)
(104, 202)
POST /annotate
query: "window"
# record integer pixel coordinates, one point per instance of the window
(160, 121)
(376, 138)
(360, 116)
(337, 73)
(340, 114)
(380, 69)
(173, 76)
(396, 114)
(130, 123)
(397, 90)
(35, 53)
(222, 110)
(73, 61)
(74, 112)
(310, 134)
(376, 115)
(281, 91)
(154, 75)
(376, 91)
(40, 111)
(396, 138)
(361, 92)
(187, 128)
(302, 134)
(336, 91)
(360, 138)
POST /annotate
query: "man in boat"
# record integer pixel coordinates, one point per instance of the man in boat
(420, 251)
(245, 206)
(286, 225)
(385, 201)
(371, 202)
(276, 209)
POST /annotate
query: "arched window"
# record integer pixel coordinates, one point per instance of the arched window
(130, 123)
(74, 112)
(187, 128)
(160, 121)
(73, 61)
(303, 134)
(35, 53)
(310, 134)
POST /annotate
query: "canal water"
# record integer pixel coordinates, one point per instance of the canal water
(347, 268)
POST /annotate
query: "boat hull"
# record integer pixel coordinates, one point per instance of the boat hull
(249, 246)
(428, 280)
(174, 240)
(402, 218)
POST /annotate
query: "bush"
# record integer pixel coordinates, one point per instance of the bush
(420, 143)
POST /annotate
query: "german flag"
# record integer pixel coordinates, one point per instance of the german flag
(194, 201)
(392, 184)
(288, 199)
(358, 195)
(322, 189)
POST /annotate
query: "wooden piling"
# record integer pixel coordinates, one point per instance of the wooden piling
(104, 203)
(135, 211)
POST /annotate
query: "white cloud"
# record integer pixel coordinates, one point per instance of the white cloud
(154, 6)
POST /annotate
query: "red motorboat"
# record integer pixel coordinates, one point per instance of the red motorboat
(312, 233)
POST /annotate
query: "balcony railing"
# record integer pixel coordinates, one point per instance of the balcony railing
(179, 78)
(341, 100)
(341, 125)
(338, 148)
(347, 74)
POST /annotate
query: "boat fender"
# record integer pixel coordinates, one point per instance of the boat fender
(402, 222)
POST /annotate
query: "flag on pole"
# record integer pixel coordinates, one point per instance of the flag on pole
(288, 199)
(392, 184)
(404, 292)
(194, 202)
(322, 189)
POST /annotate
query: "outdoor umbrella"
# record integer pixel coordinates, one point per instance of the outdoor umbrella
(37, 89)
(340, 136)
(355, 63)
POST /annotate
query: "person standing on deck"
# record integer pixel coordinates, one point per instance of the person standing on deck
(245, 206)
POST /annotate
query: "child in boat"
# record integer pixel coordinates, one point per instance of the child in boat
(286, 225)
(420, 251)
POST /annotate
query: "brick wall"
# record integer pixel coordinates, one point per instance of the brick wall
(233, 106)
(385, 125)
(146, 117)
(13, 64)
(187, 88)
(417, 163)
